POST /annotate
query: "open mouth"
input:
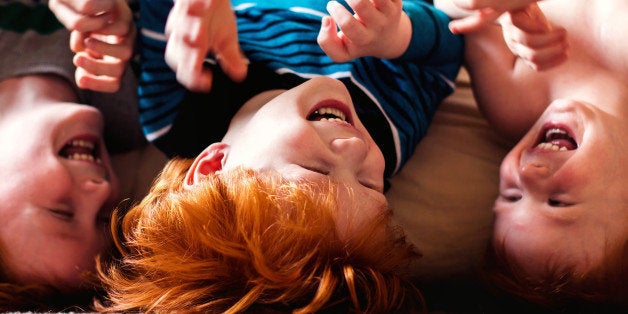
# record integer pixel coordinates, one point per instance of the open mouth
(81, 149)
(328, 114)
(330, 110)
(556, 139)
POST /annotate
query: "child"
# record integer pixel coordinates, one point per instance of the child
(561, 228)
(240, 239)
(58, 187)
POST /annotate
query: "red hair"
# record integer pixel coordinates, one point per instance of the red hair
(248, 241)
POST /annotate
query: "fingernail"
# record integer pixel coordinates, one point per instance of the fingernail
(325, 22)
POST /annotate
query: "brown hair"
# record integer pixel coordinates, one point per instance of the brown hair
(43, 297)
(249, 241)
(560, 287)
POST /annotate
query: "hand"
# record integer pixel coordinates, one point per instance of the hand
(483, 12)
(531, 38)
(102, 37)
(378, 28)
(196, 28)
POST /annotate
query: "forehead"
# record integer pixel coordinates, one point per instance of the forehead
(537, 242)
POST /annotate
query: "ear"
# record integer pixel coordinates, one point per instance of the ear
(207, 162)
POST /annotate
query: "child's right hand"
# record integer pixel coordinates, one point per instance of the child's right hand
(196, 28)
(102, 36)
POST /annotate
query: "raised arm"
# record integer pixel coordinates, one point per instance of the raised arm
(509, 91)
(526, 30)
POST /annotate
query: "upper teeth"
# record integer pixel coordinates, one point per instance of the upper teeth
(82, 143)
(339, 115)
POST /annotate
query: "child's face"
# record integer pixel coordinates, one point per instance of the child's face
(56, 192)
(285, 134)
(565, 206)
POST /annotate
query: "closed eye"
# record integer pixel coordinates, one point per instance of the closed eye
(315, 169)
(62, 213)
(557, 203)
(510, 195)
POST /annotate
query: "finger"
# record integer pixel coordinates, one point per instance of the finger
(329, 41)
(104, 84)
(556, 37)
(470, 4)
(194, 31)
(122, 50)
(365, 11)
(192, 74)
(118, 28)
(196, 23)
(232, 61)
(349, 26)
(387, 7)
(497, 5)
(83, 23)
(530, 19)
(82, 15)
(474, 22)
(339, 13)
(100, 67)
(77, 41)
(89, 7)
(542, 59)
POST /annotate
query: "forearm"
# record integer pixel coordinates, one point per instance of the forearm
(432, 43)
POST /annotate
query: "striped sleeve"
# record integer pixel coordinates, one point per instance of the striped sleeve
(158, 91)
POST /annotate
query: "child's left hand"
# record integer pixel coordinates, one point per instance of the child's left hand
(378, 28)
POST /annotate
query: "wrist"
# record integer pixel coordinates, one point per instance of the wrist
(401, 39)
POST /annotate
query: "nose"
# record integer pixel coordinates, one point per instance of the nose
(532, 173)
(94, 195)
(353, 150)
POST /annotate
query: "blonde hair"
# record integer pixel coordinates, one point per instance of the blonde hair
(248, 241)
(603, 288)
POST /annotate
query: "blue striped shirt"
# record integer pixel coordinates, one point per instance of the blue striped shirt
(395, 99)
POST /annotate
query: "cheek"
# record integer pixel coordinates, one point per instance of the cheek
(295, 137)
